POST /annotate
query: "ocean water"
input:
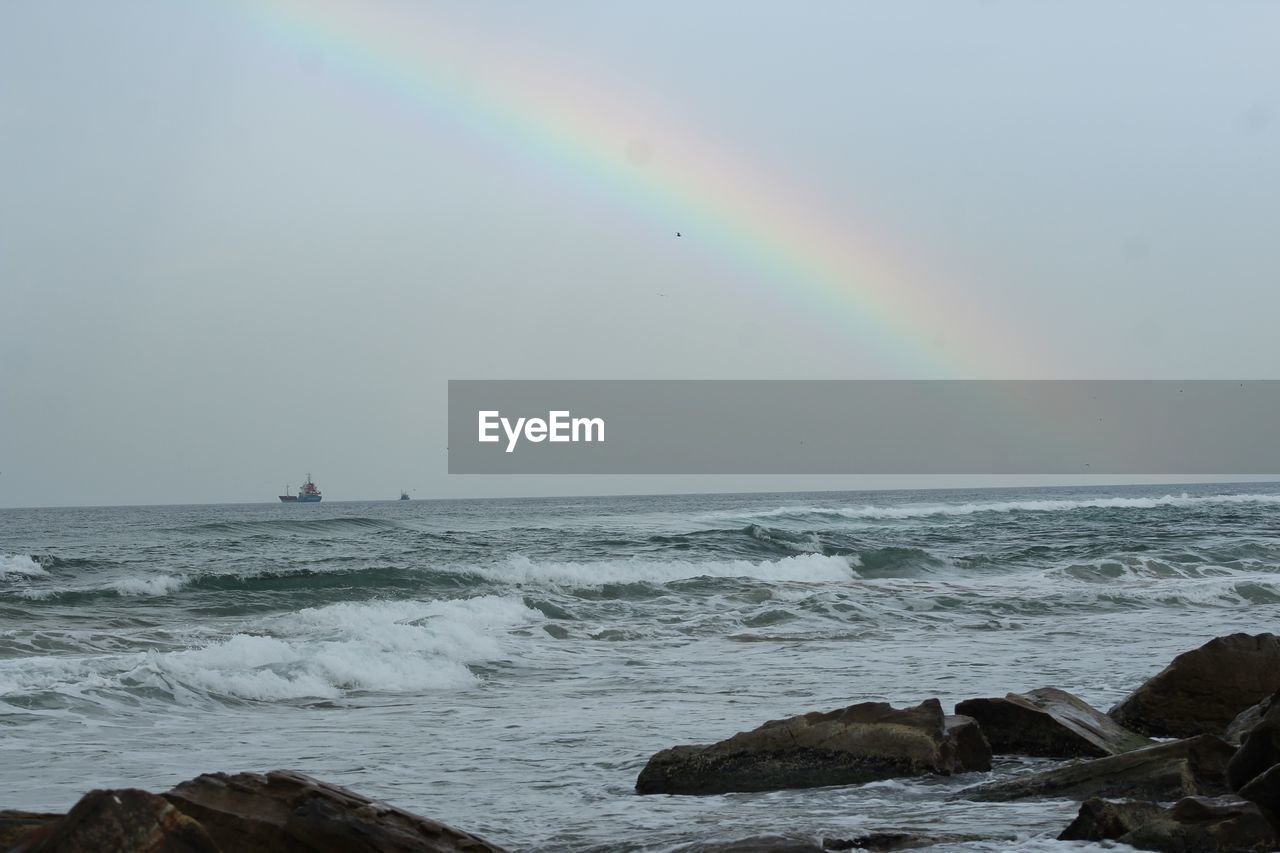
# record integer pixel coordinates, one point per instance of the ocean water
(509, 666)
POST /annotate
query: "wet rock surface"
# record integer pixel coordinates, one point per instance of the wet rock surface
(279, 812)
(1198, 824)
(1248, 718)
(16, 824)
(284, 810)
(1100, 820)
(1191, 825)
(972, 752)
(1169, 771)
(1051, 723)
(1259, 750)
(1202, 691)
(123, 820)
(861, 743)
(1264, 790)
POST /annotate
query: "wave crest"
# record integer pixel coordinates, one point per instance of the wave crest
(154, 585)
(804, 568)
(20, 565)
(325, 652)
(1045, 505)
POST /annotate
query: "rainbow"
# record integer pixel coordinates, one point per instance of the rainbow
(785, 249)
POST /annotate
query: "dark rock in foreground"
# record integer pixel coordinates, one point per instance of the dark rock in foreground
(1248, 718)
(284, 810)
(16, 824)
(1203, 690)
(1193, 767)
(1192, 825)
(1254, 771)
(125, 820)
(1100, 820)
(1264, 791)
(860, 743)
(972, 752)
(1259, 750)
(246, 813)
(1051, 723)
(1198, 824)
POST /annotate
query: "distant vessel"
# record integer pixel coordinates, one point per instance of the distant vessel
(307, 494)
(404, 496)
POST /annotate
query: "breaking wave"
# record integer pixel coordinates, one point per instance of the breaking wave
(19, 566)
(1048, 505)
(315, 653)
(153, 585)
(806, 568)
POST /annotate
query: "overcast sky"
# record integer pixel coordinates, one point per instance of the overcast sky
(244, 241)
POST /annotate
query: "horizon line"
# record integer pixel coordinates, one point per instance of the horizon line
(607, 496)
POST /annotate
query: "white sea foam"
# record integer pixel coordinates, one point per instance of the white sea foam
(153, 585)
(323, 652)
(68, 675)
(1064, 589)
(810, 544)
(19, 565)
(925, 510)
(808, 568)
(320, 653)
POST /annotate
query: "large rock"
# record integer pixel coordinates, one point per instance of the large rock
(1198, 824)
(1254, 771)
(1259, 750)
(860, 743)
(1192, 825)
(1051, 723)
(972, 752)
(1248, 718)
(288, 811)
(1264, 790)
(1100, 820)
(123, 821)
(1196, 766)
(1203, 690)
(16, 824)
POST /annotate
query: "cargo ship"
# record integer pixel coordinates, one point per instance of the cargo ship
(307, 494)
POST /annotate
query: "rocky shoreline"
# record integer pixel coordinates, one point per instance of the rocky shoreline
(1214, 785)
(1189, 761)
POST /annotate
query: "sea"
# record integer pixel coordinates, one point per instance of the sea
(508, 666)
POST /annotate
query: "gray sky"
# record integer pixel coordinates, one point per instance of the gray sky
(237, 246)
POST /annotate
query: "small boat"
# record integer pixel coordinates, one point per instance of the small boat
(307, 494)
(404, 496)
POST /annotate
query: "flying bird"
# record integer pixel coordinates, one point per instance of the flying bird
(677, 233)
